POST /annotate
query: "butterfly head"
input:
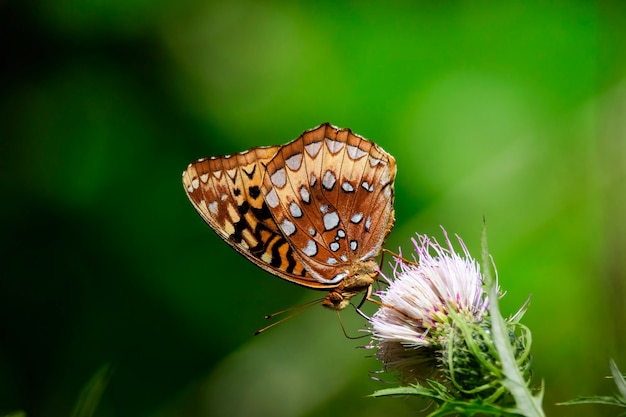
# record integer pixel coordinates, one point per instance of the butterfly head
(360, 277)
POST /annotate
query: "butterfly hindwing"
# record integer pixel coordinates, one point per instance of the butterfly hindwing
(226, 192)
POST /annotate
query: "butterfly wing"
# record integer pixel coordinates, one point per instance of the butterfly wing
(331, 194)
(226, 192)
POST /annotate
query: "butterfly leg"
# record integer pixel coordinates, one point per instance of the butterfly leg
(366, 297)
(396, 256)
(343, 329)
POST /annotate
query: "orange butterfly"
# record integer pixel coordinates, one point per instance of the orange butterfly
(315, 211)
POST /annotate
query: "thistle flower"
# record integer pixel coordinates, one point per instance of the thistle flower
(434, 324)
(418, 302)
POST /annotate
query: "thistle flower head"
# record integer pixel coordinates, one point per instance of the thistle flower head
(437, 330)
(420, 296)
(416, 307)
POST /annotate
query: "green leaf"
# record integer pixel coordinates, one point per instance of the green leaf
(619, 380)
(472, 408)
(594, 400)
(434, 391)
(513, 380)
(606, 400)
(414, 390)
(92, 392)
(446, 405)
(398, 391)
(517, 317)
(18, 413)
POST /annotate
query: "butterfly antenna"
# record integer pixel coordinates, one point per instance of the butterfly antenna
(302, 306)
(298, 309)
(258, 332)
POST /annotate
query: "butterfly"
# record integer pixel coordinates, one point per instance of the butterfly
(315, 211)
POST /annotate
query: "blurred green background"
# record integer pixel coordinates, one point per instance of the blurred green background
(514, 111)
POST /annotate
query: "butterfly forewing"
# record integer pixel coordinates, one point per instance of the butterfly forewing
(330, 192)
(226, 192)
